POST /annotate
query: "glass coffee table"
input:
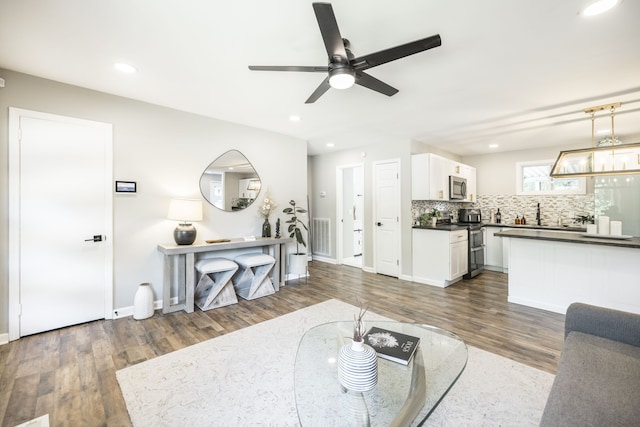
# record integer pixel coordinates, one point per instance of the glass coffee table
(405, 394)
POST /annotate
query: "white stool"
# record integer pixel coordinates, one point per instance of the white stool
(215, 288)
(252, 279)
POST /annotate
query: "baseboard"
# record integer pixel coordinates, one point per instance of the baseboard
(324, 259)
(128, 311)
(537, 304)
(406, 277)
(430, 281)
(4, 339)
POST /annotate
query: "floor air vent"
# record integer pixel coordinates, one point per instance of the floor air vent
(321, 236)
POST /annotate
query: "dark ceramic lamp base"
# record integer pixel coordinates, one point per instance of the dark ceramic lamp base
(184, 234)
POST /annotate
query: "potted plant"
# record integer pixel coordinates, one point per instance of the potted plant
(297, 260)
(430, 218)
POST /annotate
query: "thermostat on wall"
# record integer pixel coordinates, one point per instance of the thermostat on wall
(126, 187)
(323, 194)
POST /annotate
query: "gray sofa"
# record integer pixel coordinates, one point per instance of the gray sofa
(598, 379)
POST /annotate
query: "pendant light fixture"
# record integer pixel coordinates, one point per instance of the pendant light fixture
(610, 157)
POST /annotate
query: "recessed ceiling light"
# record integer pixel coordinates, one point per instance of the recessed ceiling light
(330, 144)
(598, 7)
(125, 68)
(493, 145)
(294, 118)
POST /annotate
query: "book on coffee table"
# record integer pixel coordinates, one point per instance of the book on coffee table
(392, 345)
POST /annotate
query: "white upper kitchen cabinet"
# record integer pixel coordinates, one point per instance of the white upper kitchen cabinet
(469, 172)
(455, 168)
(430, 177)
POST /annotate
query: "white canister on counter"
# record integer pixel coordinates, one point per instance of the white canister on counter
(592, 229)
(603, 224)
(615, 228)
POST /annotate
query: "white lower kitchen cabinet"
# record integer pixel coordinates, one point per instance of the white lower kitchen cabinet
(494, 250)
(440, 257)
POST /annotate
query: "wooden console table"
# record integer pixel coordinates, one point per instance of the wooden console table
(179, 262)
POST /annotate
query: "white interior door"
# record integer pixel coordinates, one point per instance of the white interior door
(350, 210)
(387, 218)
(63, 249)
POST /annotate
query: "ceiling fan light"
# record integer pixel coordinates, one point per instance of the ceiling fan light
(342, 78)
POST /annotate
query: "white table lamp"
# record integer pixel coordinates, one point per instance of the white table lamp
(185, 211)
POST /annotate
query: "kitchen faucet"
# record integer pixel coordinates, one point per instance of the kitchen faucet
(538, 215)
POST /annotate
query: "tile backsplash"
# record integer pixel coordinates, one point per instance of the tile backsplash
(551, 207)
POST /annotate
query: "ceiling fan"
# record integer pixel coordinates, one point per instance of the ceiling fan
(344, 68)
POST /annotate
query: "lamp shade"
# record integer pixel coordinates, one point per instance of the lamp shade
(185, 210)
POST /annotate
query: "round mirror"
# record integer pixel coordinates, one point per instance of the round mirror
(230, 182)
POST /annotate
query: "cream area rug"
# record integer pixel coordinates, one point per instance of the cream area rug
(246, 378)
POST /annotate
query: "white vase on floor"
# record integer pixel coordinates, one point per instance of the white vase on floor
(143, 302)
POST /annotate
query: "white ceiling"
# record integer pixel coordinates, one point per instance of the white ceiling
(515, 73)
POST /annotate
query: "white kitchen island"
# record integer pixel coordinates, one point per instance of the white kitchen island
(550, 270)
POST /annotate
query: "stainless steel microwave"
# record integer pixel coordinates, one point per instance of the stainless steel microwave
(457, 188)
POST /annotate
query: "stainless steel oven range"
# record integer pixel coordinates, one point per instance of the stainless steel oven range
(473, 218)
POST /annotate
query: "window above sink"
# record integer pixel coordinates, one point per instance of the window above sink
(532, 178)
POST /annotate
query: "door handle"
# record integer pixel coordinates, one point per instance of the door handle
(379, 224)
(95, 238)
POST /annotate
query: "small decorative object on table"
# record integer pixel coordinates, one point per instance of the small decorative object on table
(266, 228)
(278, 228)
(265, 210)
(392, 345)
(357, 361)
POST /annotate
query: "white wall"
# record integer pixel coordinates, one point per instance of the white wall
(324, 170)
(496, 172)
(164, 151)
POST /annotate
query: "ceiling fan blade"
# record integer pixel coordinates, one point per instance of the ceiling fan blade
(370, 82)
(391, 54)
(320, 90)
(310, 69)
(330, 32)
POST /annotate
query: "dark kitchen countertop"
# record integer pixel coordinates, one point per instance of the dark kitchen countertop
(539, 227)
(569, 238)
(443, 227)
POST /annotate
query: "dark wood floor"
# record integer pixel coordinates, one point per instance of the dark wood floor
(70, 373)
